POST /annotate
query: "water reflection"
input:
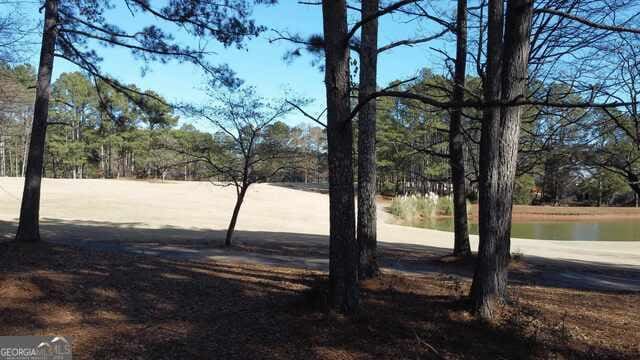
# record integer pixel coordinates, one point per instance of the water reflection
(622, 230)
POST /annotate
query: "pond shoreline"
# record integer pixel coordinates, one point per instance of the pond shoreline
(540, 228)
(564, 213)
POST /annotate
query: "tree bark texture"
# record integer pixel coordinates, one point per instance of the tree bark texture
(29, 226)
(366, 226)
(499, 150)
(343, 252)
(234, 216)
(461, 245)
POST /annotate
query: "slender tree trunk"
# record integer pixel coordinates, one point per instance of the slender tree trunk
(234, 216)
(54, 167)
(461, 245)
(489, 286)
(102, 165)
(366, 227)
(29, 226)
(17, 162)
(10, 161)
(3, 155)
(343, 252)
(109, 162)
(599, 191)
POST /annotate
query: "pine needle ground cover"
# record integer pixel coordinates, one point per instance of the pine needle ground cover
(123, 306)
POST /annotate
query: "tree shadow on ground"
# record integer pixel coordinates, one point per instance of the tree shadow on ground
(322, 188)
(309, 251)
(117, 305)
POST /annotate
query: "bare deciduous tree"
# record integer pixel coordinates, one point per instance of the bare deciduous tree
(242, 153)
(70, 30)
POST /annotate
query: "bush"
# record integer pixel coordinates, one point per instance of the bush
(522, 194)
(411, 207)
(445, 205)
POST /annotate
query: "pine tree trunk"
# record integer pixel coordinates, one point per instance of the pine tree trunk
(489, 281)
(102, 165)
(343, 247)
(10, 161)
(489, 286)
(3, 154)
(234, 216)
(109, 162)
(16, 163)
(366, 227)
(29, 226)
(461, 245)
(25, 153)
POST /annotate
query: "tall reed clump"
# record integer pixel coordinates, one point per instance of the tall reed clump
(412, 207)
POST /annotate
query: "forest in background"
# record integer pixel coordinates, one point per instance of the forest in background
(98, 132)
(574, 156)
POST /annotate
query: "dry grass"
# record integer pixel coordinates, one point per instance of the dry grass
(121, 306)
(137, 212)
(572, 213)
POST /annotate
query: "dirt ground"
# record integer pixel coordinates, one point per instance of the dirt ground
(123, 306)
(133, 269)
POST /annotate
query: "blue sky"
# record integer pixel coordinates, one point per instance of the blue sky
(261, 63)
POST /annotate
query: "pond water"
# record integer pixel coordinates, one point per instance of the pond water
(615, 230)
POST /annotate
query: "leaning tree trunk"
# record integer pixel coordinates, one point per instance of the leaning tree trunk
(29, 226)
(343, 252)
(234, 216)
(366, 227)
(461, 245)
(489, 286)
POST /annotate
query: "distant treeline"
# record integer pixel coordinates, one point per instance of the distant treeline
(96, 132)
(569, 156)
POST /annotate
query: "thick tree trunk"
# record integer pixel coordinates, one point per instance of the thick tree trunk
(489, 286)
(489, 280)
(29, 226)
(234, 216)
(366, 228)
(461, 245)
(25, 153)
(343, 252)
